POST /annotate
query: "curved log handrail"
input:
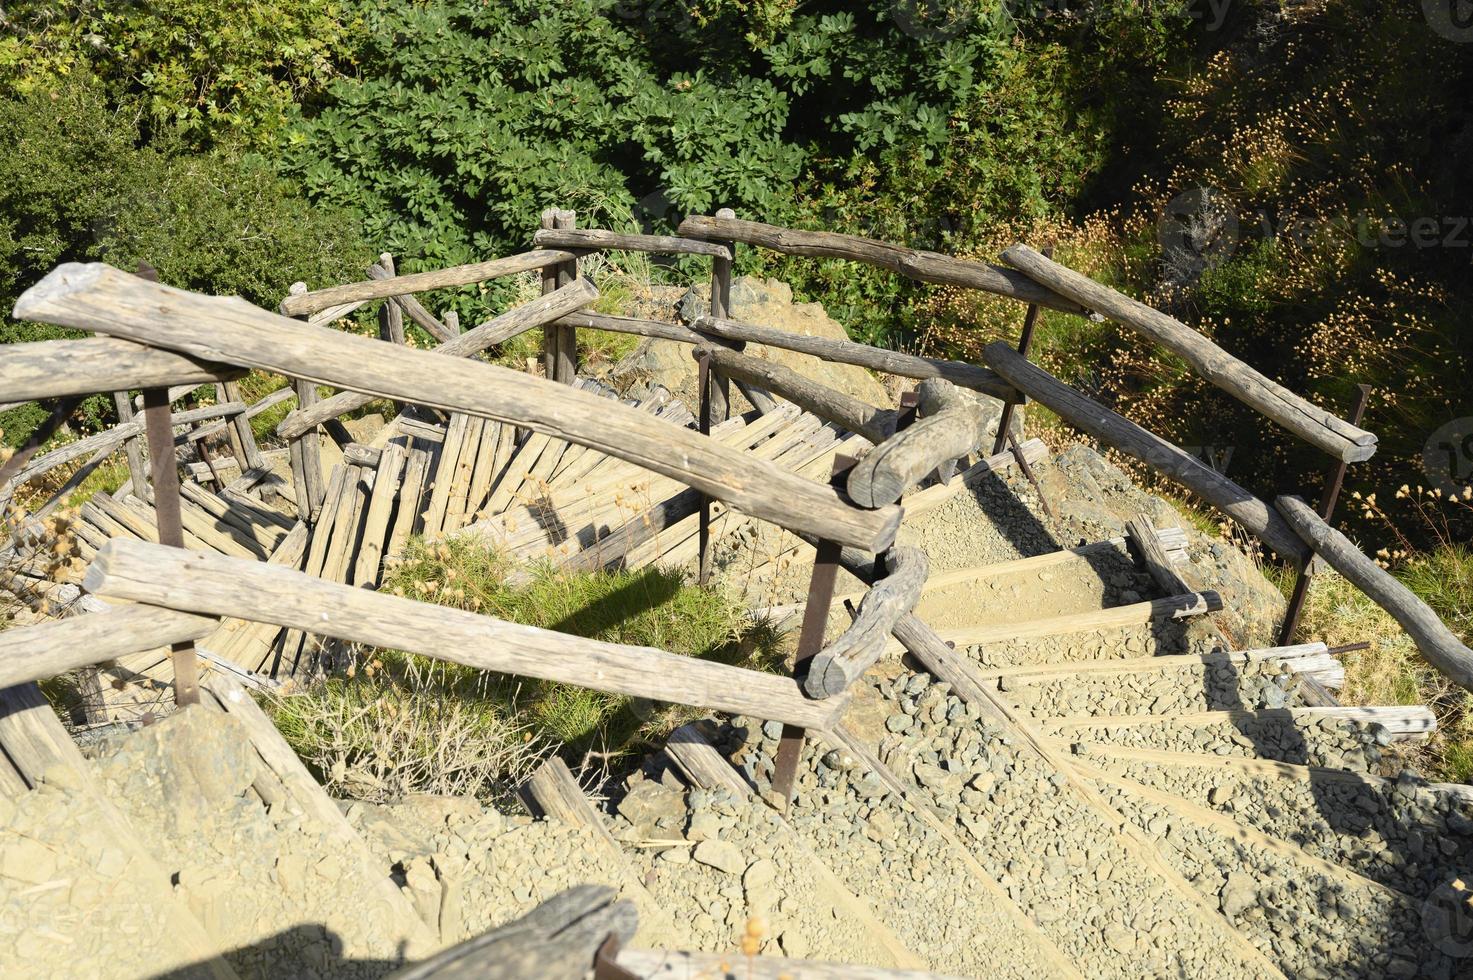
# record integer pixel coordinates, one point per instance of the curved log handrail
(1089, 416)
(838, 665)
(100, 298)
(829, 404)
(1437, 643)
(950, 427)
(915, 264)
(317, 300)
(499, 329)
(1310, 422)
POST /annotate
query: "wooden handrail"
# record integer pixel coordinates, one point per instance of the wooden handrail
(597, 239)
(62, 368)
(100, 298)
(1436, 642)
(1088, 415)
(839, 664)
(923, 266)
(497, 330)
(33, 653)
(1310, 422)
(950, 427)
(243, 589)
(959, 373)
(418, 282)
(829, 404)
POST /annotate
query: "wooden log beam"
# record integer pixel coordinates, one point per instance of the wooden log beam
(1151, 553)
(33, 653)
(854, 415)
(1309, 422)
(407, 304)
(63, 368)
(99, 297)
(243, 589)
(839, 664)
(1436, 642)
(597, 239)
(663, 964)
(498, 329)
(558, 940)
(1256, 516)
(922, 266)
(950, 427)
(959, 373)
(418, 282)
(701, 764)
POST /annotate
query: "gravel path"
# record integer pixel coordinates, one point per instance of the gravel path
(1178, 689)
(1329, 742)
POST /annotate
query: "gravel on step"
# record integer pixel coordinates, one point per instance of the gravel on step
(1311, 924)
(1053, 853)
(1400, 833)
(1121, 643)
(470, 868)
(882, 850)
(717, 862)
(1171, 690)
(1330, 742)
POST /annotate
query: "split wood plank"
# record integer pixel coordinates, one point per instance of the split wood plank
(386, 486)
(45, 369)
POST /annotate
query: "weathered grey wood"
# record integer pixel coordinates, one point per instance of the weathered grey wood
(376, 521)
(840, 664)
(664, 964)
(701, 764)
(565, 350)
(33, 738)
(132, 446)
(63, 368)
(959, 373)
(644, 328)
(298, 304)
(497, 330)
(414, 308)
(553, 794)
(922, 266)
(598, 239)
(390, 315)
(217, 585)
(718, 387)
(1310, 422)
(875, 424)
(108, 439)
(33, 653)
(1436, 642)
(256, 408)
(305, 791)
(305, 444)
(950, 428)
(1148, 548)
(98, 297)
(242, 438)
(1257, 517)
(406, 519)
(558, 940)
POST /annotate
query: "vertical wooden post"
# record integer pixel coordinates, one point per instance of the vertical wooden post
(810, 642)
(703, 420)
(160, 431)
(566, 362)
(718, 387)
(133, 447)
(1334, 481)
(551, 335)
(242, 439)
(307, 448)
(390, 316)
(1025, 340)
(451, 319)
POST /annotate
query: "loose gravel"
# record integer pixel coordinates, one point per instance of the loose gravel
(1329, 742)
(1173, 690)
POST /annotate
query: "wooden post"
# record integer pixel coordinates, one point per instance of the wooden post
(1025, 340)
(567, 343)
(1334, 480)
(718, 386)
(133, 447)
(704, 386)
(551, 334)
(166, 503)
(390, 315)
(810, 642)
(306, 453)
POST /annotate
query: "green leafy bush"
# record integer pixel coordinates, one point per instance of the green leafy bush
(77, 185)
